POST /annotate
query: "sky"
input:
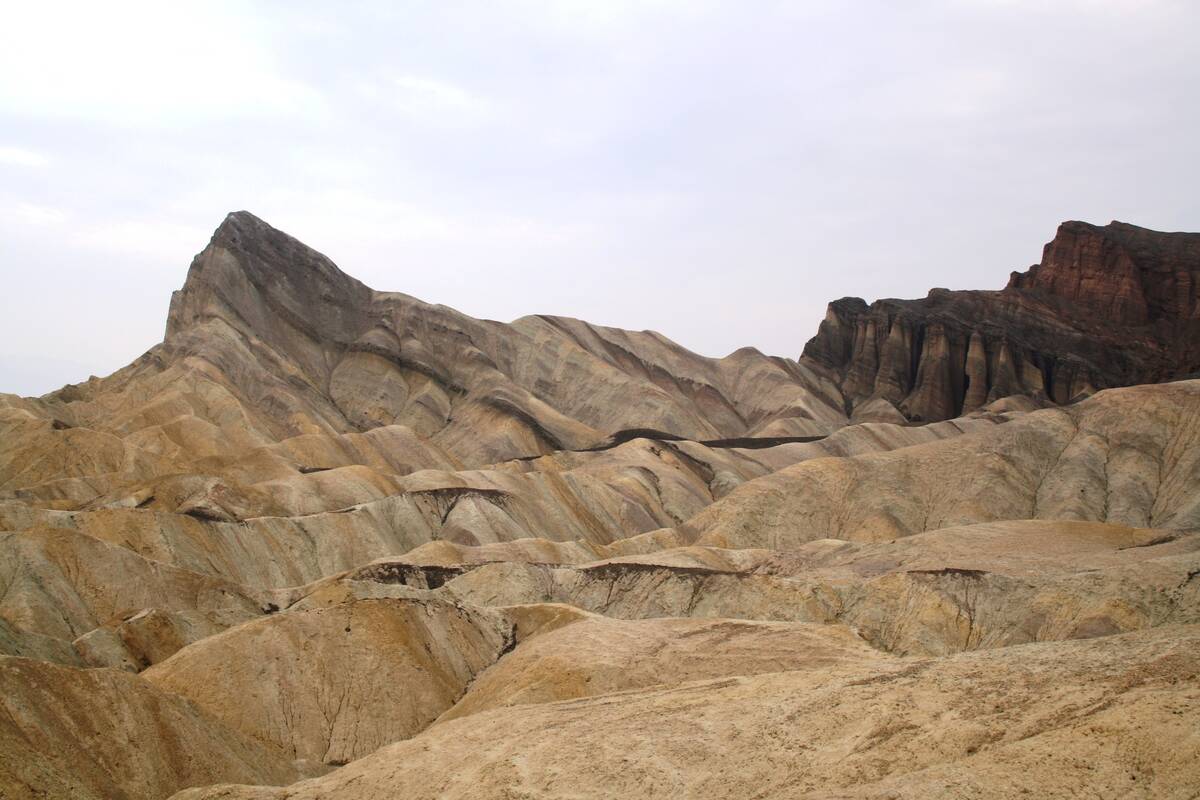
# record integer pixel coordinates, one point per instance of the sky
(717, 172)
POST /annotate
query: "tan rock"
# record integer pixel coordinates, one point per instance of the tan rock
(546, 558)
(1129, 456)
(62, 584)
(598, 655)
(331, 685)
(102, 734)
(1036, 720)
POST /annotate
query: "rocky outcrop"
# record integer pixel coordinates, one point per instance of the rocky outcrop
(285, 387)
(962, 588)
(1108, 306)
(328, 353)
(1126, 274)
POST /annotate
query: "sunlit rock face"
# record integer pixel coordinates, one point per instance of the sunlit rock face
(325, 541)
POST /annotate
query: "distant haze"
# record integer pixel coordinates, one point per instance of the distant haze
(714, 171)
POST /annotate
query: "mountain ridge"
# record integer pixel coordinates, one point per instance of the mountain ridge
(1034, 337)
(931, 528)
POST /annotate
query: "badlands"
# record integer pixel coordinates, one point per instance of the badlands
(330, 542)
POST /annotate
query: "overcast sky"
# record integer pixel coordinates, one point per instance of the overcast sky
(714, 171)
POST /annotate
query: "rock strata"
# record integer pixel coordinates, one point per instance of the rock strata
(1107, 306)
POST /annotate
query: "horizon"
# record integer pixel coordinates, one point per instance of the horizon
(709, 172)
(796, 357)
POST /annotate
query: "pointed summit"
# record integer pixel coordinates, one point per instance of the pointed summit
(251, 273)
(241, 228)
(267, 251)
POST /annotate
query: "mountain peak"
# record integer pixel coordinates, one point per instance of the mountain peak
(252, 273)
(242, 223)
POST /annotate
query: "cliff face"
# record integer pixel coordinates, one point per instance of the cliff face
(1108, 306)
(1126, 273)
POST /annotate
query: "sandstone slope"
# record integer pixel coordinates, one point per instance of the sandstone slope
(598, 655)
(331, 685)
(103, 734)
(1129, 456)
(1037, 720)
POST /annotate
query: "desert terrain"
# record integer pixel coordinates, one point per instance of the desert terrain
(325, 541)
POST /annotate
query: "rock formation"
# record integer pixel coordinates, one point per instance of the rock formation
(327, 541)
(1129, 456)
(1107, 306)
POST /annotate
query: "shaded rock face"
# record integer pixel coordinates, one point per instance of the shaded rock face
(1108, 306)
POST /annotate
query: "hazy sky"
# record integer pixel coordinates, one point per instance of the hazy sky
(713, 171)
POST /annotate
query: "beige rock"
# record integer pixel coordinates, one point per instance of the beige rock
(62, 584)
(1129, 456)
(331, 685)
(16, 642)
(1037, 720)
(982, 586)
(332, 525)
(597, 655)
(269, 342)
(102, 734)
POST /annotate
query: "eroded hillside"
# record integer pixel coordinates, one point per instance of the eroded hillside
(327, 541)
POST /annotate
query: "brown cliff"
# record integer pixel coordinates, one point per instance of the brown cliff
(1127, 273)
(1108, 306)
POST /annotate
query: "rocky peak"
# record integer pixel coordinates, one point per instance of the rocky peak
(243, 224)
(256, 278)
